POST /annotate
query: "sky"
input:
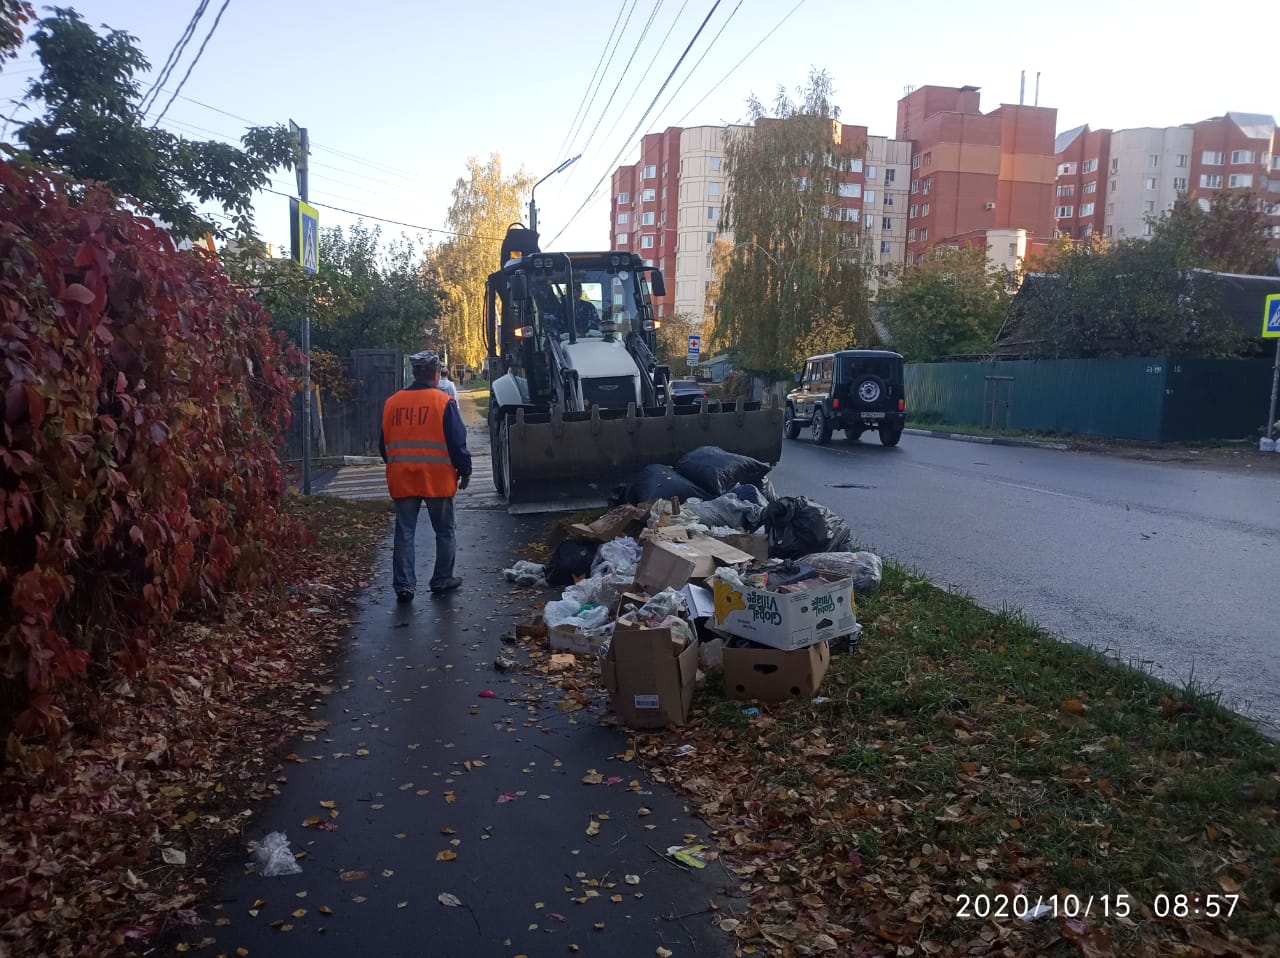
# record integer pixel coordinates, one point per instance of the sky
(397, 94)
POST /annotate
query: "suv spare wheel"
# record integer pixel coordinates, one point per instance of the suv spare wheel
(869, 390)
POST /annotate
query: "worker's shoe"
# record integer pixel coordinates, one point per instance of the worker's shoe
(404, 595)
(446, 585)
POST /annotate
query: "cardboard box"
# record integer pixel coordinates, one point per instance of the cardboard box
(570, 638)
(649, 676)
(757, 546)
(622, 521)
(771, 675)
(665, 564)
(786, 620)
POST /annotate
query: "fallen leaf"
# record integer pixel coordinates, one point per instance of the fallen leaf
(402, 904)
(616, 899)
(448, 900)
(447, 831)
(173, 856)
(663, 952)
(631, 879)
(593, 827)
(642, 812)
(1073, 706)
(1229, 884)
(506, 797)
(329, 804)
(299, 913)
(387, 873)
(353, 876)
(447, 855)
(325, 910)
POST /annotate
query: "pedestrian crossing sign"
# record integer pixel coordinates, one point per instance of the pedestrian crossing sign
(1271, 317)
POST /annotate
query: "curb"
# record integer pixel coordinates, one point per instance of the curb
(987, 440)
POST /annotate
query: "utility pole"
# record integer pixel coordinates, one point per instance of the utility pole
(533, 209)
(304, 195)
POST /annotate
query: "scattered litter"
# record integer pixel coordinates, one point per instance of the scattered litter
(448, 900)
(865, 568)
(488, 694)
(695, 856)
(617, 557)
(718, 470)
(271, 857)
(752, 712)
(562, 660)
(680, 751)
(173, 856)
(798, 526)
(526, 574)
(505, 664)
(1039, 911)
(821, 700)
(507, 797)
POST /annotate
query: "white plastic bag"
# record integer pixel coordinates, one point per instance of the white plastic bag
(271, 857)
(865, 568)
(573, 613)
(618, 557)
(599, 590)
(526, 574)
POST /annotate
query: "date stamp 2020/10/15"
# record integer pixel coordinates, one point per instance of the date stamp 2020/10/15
(996, 906)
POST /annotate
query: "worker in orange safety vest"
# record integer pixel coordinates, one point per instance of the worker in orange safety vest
(424, 445)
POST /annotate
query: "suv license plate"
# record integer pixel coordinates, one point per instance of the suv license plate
(873, 415)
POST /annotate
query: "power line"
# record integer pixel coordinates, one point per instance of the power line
(609, 169)
(694, 69)
(588, 92)
(734, 68)
(207, 37)
(622, 76)
(383, 219)
(175, 54)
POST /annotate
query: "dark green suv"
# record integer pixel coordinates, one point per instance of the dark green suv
(854, 390)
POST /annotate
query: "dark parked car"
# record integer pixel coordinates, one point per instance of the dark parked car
(686, 392)
(854, 390)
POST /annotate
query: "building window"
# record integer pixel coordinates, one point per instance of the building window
(848, 215)
(1204, 204)
(913, 211)
(650, 172)
(1063, 212)
(1182, 160)
(911, 236)
(1113, 186)
(1090, 187)
(869, 197)
(1108, 232)
(1210, 181)
(622, 239)
(870, 221)
(889, 174)
(1180, 184)
(924, 210)
(915, 162)
(646, 242)
(664, 170)
(1066, 169)
(708, 261)
(1086, 209)
(664, 193)
(1068, 189)
(888, 199)
(928, 184)
(1111, 209)
(623, 219)
(1115, 164)
(1147, 229)
(1211, 158)
(1241, 156)
(924, 235)
(851, 189)
(1153, 160)
(886, 224)
(624, 198)
(713, 188)
(885, 248)
(928, 159)
(871, 171)
(711, 238)
(1240, 180)
(647, 196)
(1089, 165)
(855, 165)
(1148, 206)
(1151, 182)
(714, 164)
(915, 186)
(1275, 162)
(713, 214)
(646, 219)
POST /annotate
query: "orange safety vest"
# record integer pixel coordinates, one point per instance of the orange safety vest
(418, 461)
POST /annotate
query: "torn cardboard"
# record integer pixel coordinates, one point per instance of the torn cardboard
(786, 620)
(669, 565)
(579, 641)
(650, 676)
(622, 521)
(772, 675)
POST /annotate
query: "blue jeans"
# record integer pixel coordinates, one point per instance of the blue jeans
(404, 576)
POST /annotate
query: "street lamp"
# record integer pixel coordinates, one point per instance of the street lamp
(533, 210)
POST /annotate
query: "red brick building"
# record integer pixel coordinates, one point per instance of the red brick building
(1080, 194)
(644, 206)
(1238, 151)
(973, 173)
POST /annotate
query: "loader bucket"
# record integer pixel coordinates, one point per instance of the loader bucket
(565, 462)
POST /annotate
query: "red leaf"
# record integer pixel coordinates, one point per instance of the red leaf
(78, 293)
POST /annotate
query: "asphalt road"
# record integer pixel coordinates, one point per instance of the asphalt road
(1166, 565)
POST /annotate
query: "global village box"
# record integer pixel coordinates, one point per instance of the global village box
(818, 609)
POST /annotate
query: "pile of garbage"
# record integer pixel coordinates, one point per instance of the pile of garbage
(698, 568)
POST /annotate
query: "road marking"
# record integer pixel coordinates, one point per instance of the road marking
(1047, 492)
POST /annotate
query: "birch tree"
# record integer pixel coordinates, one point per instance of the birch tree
(794, 278)
(485, 203)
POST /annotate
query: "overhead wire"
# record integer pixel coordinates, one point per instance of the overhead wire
(383, 219)
(587, 92)
(733, 69)
(608, 103)
(627, 142)
(694, 69)
(208, 36)
(175, 54)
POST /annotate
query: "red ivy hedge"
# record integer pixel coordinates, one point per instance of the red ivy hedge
(143, 401)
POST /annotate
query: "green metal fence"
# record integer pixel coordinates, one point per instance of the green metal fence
(1154, 399)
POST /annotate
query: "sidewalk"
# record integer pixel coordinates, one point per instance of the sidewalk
(410, 762)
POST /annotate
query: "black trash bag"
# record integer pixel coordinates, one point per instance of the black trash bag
(718, 470)
(756, 496)
(656, 482)
(798, 527)
(571, 561)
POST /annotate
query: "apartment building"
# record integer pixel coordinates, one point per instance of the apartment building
(973, 173)
(643, 207)
(1237, 151)
(1148, 170)
(1079, 199)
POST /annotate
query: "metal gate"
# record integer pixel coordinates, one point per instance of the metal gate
(997, 402)
(376, 374)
